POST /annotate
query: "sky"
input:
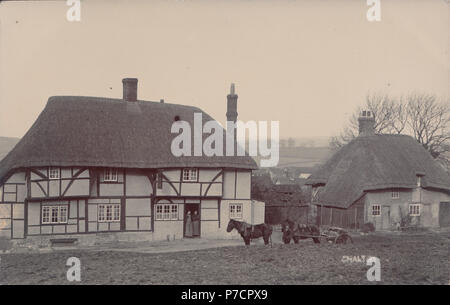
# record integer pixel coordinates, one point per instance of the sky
(305, 63)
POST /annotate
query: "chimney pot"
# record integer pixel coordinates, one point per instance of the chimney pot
(130, 89)
(232, 105)
(366, 122)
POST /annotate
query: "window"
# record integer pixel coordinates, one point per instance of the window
(414, 209)
(395, 194)
(376, 210)
(190, 174)
(53, 173)
(167, 211)
(109, 212)
(236, 210)
(54, 214)
(110, 175)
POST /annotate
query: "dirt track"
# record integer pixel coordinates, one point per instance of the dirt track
(420, 258)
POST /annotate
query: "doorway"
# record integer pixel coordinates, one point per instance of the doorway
(191, 223)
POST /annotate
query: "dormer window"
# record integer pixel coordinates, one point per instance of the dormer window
(110, 175)
(395, 194)
(190, 174)
(53, 173)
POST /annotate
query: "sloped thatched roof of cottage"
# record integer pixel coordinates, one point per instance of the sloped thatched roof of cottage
(103, 132)
(376, 162)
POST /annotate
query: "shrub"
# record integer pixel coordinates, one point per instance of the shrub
(368, 227)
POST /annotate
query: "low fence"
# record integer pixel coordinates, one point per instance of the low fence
(275, 214)
(352, 218)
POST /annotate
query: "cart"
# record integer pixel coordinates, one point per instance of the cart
(334, 235)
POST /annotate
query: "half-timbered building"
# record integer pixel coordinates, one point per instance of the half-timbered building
(100, 168)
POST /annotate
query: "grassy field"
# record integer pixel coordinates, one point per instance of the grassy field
(420, 258)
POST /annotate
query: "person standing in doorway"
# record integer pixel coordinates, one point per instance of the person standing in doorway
(188, 228)
(196, 224)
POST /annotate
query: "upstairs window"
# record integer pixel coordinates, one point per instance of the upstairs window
(414, 209)
(236, 210)
(110, 175)
(54, 214)
(376, 210)
(53, 173)
(190, 174)
(395, 194)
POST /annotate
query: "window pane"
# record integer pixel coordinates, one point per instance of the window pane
(109, 212)
(63, 214)
(174, 214)
(117, 212)
(193, 174)
(166, 211)
(45, 214)
(185, 174)
(54, 214)
(101, 213)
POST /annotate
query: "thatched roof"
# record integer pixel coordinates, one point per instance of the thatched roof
(376, 162)
(103, 132)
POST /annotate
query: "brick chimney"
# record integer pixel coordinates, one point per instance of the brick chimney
(232, 105)
(366, 122)
(130, 89)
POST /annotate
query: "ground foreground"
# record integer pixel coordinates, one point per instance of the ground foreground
(413, 258)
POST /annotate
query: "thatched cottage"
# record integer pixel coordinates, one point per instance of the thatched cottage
(388, 180)
(93, 167)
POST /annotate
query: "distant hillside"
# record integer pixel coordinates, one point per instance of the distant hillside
(303, 156)
(6, 144)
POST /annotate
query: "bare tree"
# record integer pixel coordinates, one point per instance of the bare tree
(390, 117)
(422, 116)
(429, 121)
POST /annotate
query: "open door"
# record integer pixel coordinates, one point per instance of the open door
(191, 224)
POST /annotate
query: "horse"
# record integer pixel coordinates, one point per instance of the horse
(296, 231)
(249, 231)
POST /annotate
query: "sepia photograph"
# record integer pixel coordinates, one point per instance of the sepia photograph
(221, 149)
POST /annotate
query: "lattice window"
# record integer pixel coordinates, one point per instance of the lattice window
(395, 194)
(236, 210)
(110, 175)
(414, 209)
(109, 212)
(53, 173)
(54, 214)
(167, 211)
(376, 210)
(190, 174)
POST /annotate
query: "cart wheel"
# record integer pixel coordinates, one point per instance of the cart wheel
(343, 239)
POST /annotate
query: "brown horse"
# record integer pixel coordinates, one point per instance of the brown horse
(296, 231)
(249, 232)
